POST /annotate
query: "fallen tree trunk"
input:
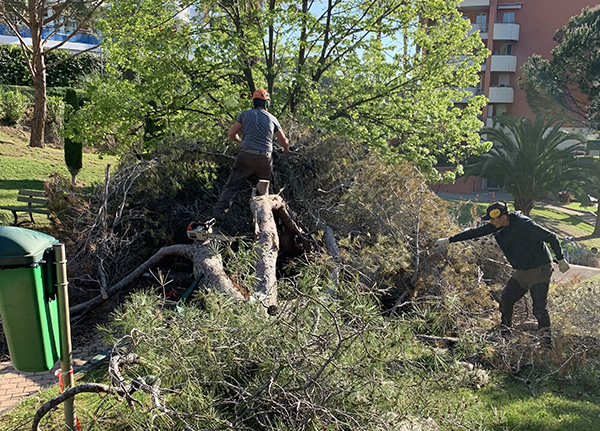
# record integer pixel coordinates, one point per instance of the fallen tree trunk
(204, 262)
(263, 207)
(265, 230)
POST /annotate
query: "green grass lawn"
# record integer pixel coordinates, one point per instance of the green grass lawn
(567, 407)
(23, 167)
(579, 207)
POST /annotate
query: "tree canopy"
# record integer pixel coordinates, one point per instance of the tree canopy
(569, 82)
(385, 74)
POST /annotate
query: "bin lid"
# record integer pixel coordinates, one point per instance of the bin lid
(19, 246)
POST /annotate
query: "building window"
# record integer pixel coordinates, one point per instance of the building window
(508, 17)
(506, 49)
(503, 80)
(481, 21)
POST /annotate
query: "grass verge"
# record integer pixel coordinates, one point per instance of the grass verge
(23, 167)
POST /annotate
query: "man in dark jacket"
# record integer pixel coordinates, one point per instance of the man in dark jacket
(524, 244)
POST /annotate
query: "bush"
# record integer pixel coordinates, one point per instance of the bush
(73, 147)
(14, 105)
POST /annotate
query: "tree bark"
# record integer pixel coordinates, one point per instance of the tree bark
(265, 230)
(263, 209)
(38, 66)
(523, 205)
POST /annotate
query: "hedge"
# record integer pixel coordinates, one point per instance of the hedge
(59, 92)
(14, 71)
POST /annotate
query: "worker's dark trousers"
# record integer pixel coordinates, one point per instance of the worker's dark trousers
(246, 165)
(513, 292)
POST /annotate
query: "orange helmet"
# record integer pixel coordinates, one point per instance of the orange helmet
(261, 94)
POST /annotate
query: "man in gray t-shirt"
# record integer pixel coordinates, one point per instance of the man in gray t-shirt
(259, 129)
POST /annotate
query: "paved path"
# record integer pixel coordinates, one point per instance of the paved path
(576, 274)
(15, 385)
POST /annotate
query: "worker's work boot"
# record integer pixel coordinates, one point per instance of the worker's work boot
(546, 337)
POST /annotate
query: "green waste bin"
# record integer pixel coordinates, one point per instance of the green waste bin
(28, 298)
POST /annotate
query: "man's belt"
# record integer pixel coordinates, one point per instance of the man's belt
(256, 152)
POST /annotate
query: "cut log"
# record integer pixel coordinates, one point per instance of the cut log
(263, 208)
(268, 247)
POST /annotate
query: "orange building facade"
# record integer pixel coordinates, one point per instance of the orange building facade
(512, 31)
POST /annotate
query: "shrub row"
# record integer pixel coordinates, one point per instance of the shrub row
(14, 71)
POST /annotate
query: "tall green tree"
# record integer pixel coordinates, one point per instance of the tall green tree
(569, 82)
(73, 147)
(44, 19)
(532, 160)
(374, 72)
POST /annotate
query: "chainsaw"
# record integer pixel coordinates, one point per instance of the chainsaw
(203, 231)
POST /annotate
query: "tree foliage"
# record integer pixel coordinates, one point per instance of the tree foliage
(36, 17)
(374, 72)
(569, 82)
(319, 363)
(532, 160)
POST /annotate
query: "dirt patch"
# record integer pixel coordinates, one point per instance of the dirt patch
(15, 131)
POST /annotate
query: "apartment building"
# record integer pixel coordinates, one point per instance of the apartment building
(83, 40)
(513, 31)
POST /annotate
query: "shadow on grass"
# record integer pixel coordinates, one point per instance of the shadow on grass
(17, 185)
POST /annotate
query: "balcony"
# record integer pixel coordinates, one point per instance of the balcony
(506, 31)
(482, 27)
(504, 63)
(474, 4)
(501, 95)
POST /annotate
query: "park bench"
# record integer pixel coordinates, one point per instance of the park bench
(36, 201)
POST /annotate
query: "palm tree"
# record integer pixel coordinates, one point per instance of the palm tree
(532, 160)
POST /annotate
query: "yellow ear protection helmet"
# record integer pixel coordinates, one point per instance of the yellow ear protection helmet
(495, 213)
(500, 208)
